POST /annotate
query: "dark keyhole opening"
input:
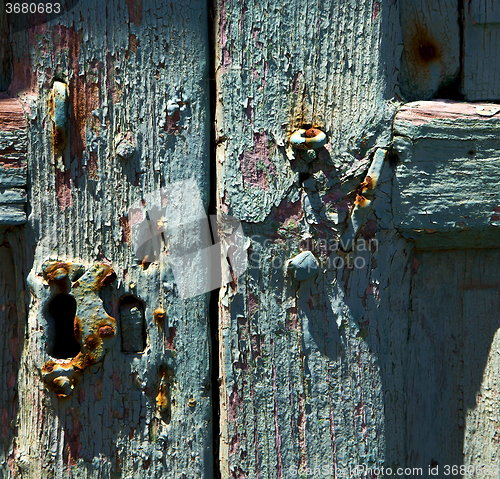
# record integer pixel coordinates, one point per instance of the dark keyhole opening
(132, 327)
(63, 310)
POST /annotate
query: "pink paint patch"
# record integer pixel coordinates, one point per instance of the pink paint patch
(253, 304)
(254, 75)
(63, 189)
(293, 322)
(226, 60)
(223, 29)
(287, 212)
(376, 10)
(135, 216)
(234, 404)
(234, 444)
(256, 165)
(170, 341)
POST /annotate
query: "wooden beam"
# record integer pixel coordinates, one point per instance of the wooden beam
(445, 191)
(13, 150)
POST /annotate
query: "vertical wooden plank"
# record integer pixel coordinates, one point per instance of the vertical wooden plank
(302, 386)
(144, 413)
(5, 52)
(452, 382)
(431, 54)
(481, 68)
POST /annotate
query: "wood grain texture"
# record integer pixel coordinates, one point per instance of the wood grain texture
(5, 52)
(304, 383)
(447, 177)
(431, 54)
(452, 381)
(13, 152)
(123, 62)
(481, 58)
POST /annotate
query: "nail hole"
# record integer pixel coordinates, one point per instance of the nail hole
(63, 310)
(133, 328)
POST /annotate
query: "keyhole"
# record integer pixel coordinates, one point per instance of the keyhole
(63, 310)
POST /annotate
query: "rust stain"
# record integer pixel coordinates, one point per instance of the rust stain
(124, 223)
(92, 165)
(312, 132)
(424, 48)
(92, 341)
(72, 440)
(160, 316)
(163, 394)
(93, 327)
(106, 331)
(361, 201)
(133, 42)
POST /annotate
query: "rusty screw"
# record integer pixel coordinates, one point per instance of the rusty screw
(311, 139)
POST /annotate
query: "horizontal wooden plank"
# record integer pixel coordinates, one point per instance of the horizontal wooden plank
(13, 134)
(12, 176)
(12, 196)
(12, 215)
(422, 112)
(447, 177)
(481, 59)
(11, 114)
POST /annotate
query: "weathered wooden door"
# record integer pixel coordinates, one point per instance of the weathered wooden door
(116, 105)
(375, 350)
(386, 357)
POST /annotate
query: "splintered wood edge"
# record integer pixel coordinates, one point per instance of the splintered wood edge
(11, 115)
(422, 112)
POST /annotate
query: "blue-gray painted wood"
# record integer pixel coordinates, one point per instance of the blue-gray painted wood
(146, 414)
(453, 365)
(308, 368)
(431, 47)
(481, 58)
(446, 180)
(13, 152)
